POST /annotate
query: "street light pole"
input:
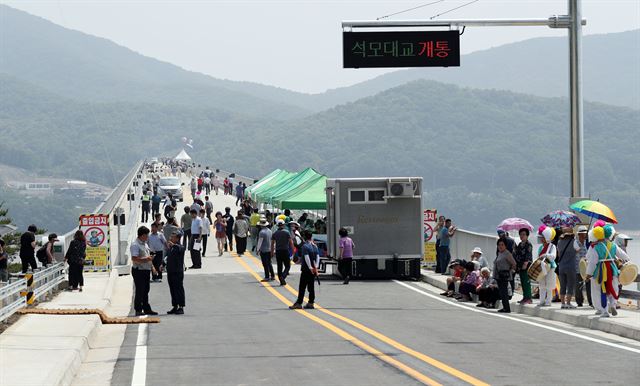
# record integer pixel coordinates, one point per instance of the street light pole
(575, 98)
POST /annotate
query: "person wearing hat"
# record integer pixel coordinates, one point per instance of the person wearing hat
(622, 241)
(580, 245)
(456, 276)
(523, 254)
(175, 273)
(294, 228)
(281, 244)
(263, 246)
(253, 228)
(547, 252)
(476, 255)
(602, 268)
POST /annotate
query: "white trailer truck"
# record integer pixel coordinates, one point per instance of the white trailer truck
(384, 218)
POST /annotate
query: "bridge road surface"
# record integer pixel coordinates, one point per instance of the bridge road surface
(239, 331)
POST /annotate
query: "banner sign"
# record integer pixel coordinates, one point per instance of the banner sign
(429, 221)
(96, 230)
(401, 49)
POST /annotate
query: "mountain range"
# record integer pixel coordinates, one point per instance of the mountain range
(88, 68)
(83, 107)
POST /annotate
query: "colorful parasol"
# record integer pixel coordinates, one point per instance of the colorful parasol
(514, 224)
(560, 218)
(594, 209)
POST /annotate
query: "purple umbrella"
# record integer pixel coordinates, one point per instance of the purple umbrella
(560, 218)
(514, 224)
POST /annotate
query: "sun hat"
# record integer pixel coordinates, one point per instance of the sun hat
(263, 222)
(294, 223)
(477, 249)
(582, 229)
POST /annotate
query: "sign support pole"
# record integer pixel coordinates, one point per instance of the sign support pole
(575, 96)
(573, 22)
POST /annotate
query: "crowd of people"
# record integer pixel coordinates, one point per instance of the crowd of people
(554, 265)
(271, 235)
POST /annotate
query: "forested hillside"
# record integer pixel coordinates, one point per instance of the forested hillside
(484, 154)
(78, 66)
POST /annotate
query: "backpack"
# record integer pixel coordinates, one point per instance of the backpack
(41, 254)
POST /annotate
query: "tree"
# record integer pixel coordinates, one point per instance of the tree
(12, 239)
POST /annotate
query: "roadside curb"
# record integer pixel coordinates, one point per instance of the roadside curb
(592, 322)
(64, 347)
(59, 354)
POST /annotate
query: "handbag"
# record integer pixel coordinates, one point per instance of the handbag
(197, 245)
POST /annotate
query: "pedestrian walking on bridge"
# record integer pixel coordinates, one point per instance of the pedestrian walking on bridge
(241, 232)
(195, 245)
(185, 224)
(145, 203)
(175, 273)
(206, 230)
(75, 258)
(346, 255)
(28, 249)
(281, 244)
(309, 271)
(155, 203)
(141, 268)
(228, 218)
(220, 226)
(264, 249)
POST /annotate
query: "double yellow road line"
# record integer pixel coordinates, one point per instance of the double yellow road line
(377, 335)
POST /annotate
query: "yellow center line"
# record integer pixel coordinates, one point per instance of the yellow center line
(340, 332)
(397, 345)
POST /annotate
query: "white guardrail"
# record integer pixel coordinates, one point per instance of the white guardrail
(29, 288)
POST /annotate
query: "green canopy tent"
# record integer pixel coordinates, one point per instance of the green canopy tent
(312, 196)
(271, 182)
(289, 184)
(250, 190)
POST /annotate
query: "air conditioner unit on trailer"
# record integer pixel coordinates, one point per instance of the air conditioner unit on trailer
(402, 188)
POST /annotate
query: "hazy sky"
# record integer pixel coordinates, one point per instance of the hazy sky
(294, 44)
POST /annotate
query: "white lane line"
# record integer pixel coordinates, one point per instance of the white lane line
(591, 339)
(139, 377)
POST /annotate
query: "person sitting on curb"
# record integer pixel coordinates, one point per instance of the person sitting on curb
(457, 276)
(470, 282)
(487, 290)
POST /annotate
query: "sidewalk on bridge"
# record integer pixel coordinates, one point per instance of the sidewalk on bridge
(49, 349)
(626, 324)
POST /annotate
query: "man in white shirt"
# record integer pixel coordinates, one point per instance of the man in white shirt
(206, 230)
(196, 240)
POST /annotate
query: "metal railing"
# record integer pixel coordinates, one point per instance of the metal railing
(22, 292)
(12, 298)
(47, 279)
